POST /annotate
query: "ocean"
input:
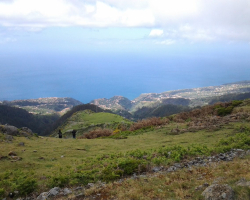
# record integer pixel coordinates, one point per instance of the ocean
(90, 76)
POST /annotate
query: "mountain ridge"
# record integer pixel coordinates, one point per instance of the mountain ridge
(184, 97)
(44, 106)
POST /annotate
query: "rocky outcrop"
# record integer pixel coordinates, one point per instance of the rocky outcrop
(243, 182)
(218, 192)
(10, 131)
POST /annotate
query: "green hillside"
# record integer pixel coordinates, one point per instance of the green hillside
(34, 165)
(86, 120)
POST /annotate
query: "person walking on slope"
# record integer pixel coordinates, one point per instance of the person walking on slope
(60, 133)
(74, 133)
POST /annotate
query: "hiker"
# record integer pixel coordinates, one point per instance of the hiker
(60, 133)
(74, 133)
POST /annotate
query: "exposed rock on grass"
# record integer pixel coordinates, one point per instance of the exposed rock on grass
(12, 153)
(243, 182)
(218, 192)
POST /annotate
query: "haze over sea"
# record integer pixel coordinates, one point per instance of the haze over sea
(98, 49)
(87, 76)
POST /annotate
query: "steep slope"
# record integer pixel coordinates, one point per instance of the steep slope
(21, 118)
(159, 111)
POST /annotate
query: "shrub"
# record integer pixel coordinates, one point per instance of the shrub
(236, 102)
(1, 192)
(222, 111)
(129, 166)
(59, 181)
(240, 140)
(145, 123)
(109, 174)
(26, 185)
(98, 133)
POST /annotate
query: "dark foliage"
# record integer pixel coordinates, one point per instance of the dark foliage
(159, 111)
(124, 113)
(177, 101)
(21, 118)
(229, 97)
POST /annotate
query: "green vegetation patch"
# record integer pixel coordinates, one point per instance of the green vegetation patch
(89, 119)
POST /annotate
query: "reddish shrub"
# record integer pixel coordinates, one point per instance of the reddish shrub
(154, 121)
(98, 133)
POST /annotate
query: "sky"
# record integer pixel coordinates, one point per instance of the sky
(88, 49)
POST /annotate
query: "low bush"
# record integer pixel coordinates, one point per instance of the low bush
(59, 181)
(1, 192)
(98, 133)
(24, 183)
(145, 123)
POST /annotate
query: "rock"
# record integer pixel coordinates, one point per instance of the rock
(9, 137)
(156, 169)
(177, 165)
(218, 192)
(24, 134)
(171, 169)
(79, 196)
(10, 130)
(26, 129)
(54, 191)
(202, 187)
(16, 192)
(12, 153)
(66, 191)
(3, 157)
(218, 180)
(42, 196)
(21, 144)
(78, 188)
(90, 185)
(242, 182)
(15, 158)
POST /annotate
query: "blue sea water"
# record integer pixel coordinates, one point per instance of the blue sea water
(90, 76)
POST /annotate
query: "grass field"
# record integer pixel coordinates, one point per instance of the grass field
(47, 161)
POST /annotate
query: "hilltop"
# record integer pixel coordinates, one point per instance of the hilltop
(186, 97)
(86, 120)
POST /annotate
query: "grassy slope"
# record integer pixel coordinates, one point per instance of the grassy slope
(54, 157)
(84, 119)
